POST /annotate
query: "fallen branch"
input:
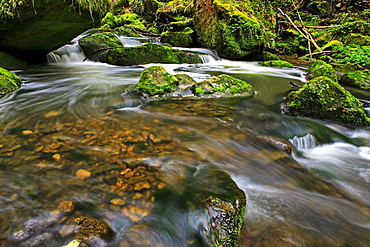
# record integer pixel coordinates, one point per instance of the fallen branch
(320, 52)
(306, 36)
(293, 84)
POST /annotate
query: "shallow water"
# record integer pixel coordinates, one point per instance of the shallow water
(82, 116)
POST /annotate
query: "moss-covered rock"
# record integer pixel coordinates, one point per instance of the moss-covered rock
(176, 9)
(126, 30)
(41, 27)
(236, 28)
(9, 82)
(323, 98)
(93, 43)
(155, 80)
(181, 39)
(222, 86)
(111, 21)
(277, 64)
(10, 62)
(359, 79)
(149, 53)
(321, 68)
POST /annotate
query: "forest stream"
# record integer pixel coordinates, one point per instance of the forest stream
(74, 131)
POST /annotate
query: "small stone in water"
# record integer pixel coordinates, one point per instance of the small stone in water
(56, 157)
(27, 132)
(82, 174)
(117, 201)
(52, 114)
(66, 207)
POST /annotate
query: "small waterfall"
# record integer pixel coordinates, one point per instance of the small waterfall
(305, 142)
(205, 55)
(66, 54)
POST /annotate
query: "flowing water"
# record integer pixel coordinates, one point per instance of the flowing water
(74, 131)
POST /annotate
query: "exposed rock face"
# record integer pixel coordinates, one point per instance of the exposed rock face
(323, 98)
(9, 82)
(42, 28)
(234, 28)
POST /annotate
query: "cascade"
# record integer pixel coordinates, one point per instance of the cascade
(305, 142)
(66, 54)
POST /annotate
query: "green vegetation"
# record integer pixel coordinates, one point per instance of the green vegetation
(8, 81)
(9, 8)
(155, 80)
(321, 68)
(277, 64)
(149, 53)
(222, 85)
(359, 79)
(324, 98)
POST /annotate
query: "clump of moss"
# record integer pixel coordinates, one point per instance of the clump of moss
(99, 41)
(321, 68)
(9, 82)
(277, 64)
(324, 98)
(352, 56)
(111, 21)
(155, 80)
(359, 79)
(149, 53)
(181, 39)
(222, 86)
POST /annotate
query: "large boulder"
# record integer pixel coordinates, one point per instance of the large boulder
(149, 53)
(323, 98)
(9, 82)
(40, 27)
(236, 29)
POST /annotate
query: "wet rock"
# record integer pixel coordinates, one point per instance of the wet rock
(149, 53)
(9, 82)
(277, 64)
(82, 174)
(320, 68)
(156, 83)
(280, 143)
(358, 79)
(98, 42)
(182, 38)
(88, 229)
(323, 98)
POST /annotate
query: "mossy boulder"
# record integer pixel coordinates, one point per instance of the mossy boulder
(321, 68)
(235, 29)
(10, 62)
(155, 80)
(222, 86)
(359, 79)
(156, 83)
(149, 53)
(323, 98)
(98, 42)
(9, 82)
(126, 17)
(176, 10)
(181, 39)
(41, 27)
(277, 64)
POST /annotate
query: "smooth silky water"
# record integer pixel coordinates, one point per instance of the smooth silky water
(71, 116)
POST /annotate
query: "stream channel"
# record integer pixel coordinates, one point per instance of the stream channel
(73, 129)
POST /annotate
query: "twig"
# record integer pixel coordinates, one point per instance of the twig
(309, 38)
(293, 84)
(320, 52)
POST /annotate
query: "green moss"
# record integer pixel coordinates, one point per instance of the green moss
(332, 44)
(353, 57)
(149, 53)
(95, 42)
(359, 79)
(324, 98)
(222, 86)
(127, 17)
(9, 82)
(9, 62)
(181, 39)
(235, 28)
(155, 80)
(321, 68)
(277, 64)
(128, 31)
